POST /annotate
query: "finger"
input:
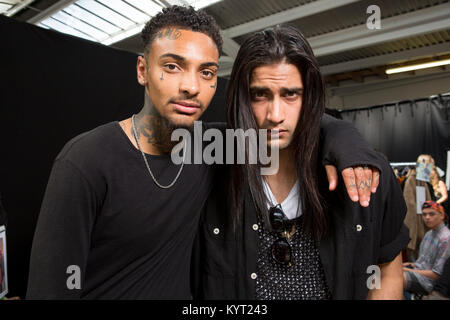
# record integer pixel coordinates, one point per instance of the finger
(332, 177)
(375, 179)
(368, 182)
(348, 176)
(361, 186)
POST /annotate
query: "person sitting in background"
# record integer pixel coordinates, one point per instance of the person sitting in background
(421, 276)
(441, 290)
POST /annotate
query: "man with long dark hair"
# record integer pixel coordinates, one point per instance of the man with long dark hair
(285, 236)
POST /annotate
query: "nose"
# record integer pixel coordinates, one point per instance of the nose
(189, 85)
(276, 110)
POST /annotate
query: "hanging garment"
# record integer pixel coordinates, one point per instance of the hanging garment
(413, 221)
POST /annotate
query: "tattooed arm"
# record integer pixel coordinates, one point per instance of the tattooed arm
(344, 148)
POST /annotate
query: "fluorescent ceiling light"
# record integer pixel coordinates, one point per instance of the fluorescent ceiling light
(418, 66)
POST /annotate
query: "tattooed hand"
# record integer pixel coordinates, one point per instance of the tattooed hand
(359, 181)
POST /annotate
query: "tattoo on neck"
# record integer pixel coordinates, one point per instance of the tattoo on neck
(157, 130)
(169, 33)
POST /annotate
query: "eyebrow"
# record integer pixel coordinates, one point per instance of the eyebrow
(174, 56)
(183, 60)
(283, 89)
(209, 64)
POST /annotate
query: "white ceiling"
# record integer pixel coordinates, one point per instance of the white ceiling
(336, 29)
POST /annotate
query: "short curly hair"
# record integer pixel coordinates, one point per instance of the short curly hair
(185, 18)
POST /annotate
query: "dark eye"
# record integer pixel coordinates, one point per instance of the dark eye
(171, 67)
(258, 95)
(207, 74)
(292, 95)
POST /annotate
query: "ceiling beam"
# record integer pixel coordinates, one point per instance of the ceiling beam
(50, 11)
(403, 26)
(406, 25)
(285, 16)
(385, 59)
(381, 84)
(230, 47)
(17, 7)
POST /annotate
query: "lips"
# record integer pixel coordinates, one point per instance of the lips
(186, 107)
(272, 131)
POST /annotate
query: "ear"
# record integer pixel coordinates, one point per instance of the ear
(141, 69)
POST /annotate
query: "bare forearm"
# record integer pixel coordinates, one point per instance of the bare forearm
(442, 199)
(443, 191)
(427, 273)
(391, 282)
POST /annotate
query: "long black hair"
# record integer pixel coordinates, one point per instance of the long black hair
(280, 44)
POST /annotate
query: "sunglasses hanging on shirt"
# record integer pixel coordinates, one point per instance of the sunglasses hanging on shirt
(281, 248)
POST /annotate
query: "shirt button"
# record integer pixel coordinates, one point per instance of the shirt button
(253, 276)
(358, 227)
(216, 230)
(255, 227)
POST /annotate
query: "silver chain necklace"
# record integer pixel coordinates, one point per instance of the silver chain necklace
(146, 163)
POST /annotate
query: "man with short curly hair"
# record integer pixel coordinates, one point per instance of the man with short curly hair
(118, 219)
(180, 18)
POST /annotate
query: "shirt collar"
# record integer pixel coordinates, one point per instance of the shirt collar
(439, 228)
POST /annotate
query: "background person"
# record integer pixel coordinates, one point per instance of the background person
(420, 276)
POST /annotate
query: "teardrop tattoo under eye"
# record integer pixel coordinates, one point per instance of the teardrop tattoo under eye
(162, 76)
(213, 86)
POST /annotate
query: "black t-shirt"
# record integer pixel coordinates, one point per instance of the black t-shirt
(103, 213)
(2, 213)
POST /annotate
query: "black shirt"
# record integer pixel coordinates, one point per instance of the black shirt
(225, 260)
(2, 213)
(103, 212)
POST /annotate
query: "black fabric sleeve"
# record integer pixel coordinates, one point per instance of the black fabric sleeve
(3, 217)
(343, 146)
(215, 125)
(62, 236)
(394, 233)
(196, 262)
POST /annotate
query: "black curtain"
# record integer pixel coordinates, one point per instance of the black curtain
(404, 130)
(54, 87)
